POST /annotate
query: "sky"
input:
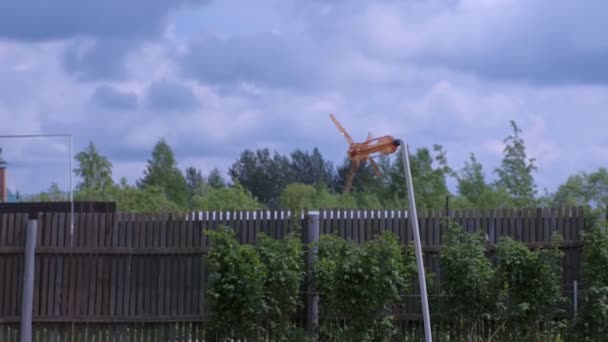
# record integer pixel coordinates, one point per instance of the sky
(214, 78)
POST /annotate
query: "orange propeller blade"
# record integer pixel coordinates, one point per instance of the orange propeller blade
(375, 167)
(350, 177)
(341, 129)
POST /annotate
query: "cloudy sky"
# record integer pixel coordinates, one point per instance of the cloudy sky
(216, 77)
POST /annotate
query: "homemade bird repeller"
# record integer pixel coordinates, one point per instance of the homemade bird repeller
(373, 148)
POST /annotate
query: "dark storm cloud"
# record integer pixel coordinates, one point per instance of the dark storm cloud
(112, 29)
(107, 97)
(35, 20)
(264, 59)
(165, 95)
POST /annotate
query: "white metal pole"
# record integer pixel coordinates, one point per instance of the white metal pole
(28, 280)
(71, 193)
(413, 216)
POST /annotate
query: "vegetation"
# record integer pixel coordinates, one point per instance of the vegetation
(254, 290)
(358, 287)
(303, 179)
(467, 278)
(591, 322)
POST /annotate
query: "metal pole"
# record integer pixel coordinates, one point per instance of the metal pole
(312, 299)
(71, 193)
(28, 281)
(414, 222)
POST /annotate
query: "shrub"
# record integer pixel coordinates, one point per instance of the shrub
(254, 291)
(530, 282)
(358, 287)
(591, 322)
(236, 289)
(284, 264)
(467, 278)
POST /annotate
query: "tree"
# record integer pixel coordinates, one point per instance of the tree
(365, 179)
(310, 169)
(298, 196)
(94, 169)
(129, 198)
(194, 180)
(53, 194)
(585, 189)
(215, 179)
(227, 198)
(263, 175)
(429, 180)
(474, 190)
(162, 172)
(515, 172)
(573, 191)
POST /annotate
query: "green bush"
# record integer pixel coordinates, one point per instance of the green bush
(591, 323)
(236, 289)
(254, 291)
(284, 264)
(359, 287)
(467, 278)
(530, 283)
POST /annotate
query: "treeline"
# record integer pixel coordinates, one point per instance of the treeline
(265, 179)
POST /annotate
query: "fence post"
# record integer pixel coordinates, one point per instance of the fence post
(312, 299)
(28, 280)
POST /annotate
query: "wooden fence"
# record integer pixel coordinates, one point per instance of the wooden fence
(122, 274)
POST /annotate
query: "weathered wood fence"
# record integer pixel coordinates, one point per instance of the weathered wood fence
(143, 275)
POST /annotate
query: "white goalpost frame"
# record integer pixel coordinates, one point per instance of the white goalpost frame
(413, 218)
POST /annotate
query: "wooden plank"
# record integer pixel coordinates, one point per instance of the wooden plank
(3, 229)
(423, 223)
(131, 267)
(120, 304)
(3, 290)
(8, 291)
(580, 223)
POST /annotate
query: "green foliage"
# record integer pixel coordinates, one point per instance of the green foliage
(595, 262)
(194, 181)
(53, 194)
(283, 260)
(358, 287)
(254, 291)
(475, 192)
(530, 281)
(262, 174)
(227, 198)
(215, 179)
(428, 177)
(467, 277)
(236, 289)
(310, 168)
(298, 196)
(591, 323)
(130, 199)
(515, 172)
(162, 172)
(94, 169)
